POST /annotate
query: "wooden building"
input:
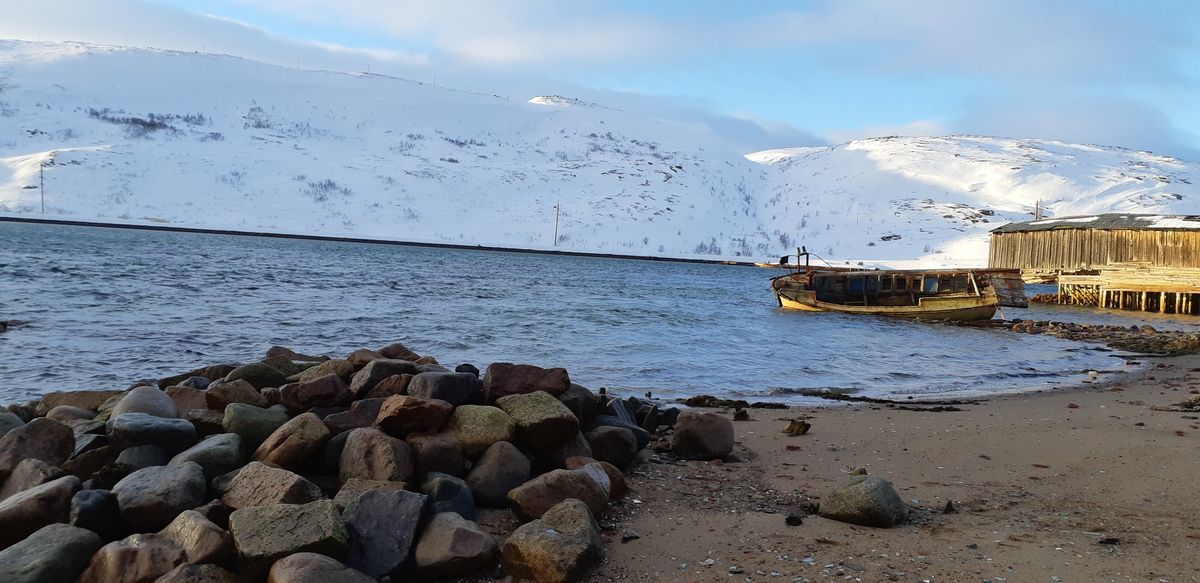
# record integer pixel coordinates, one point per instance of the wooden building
(1123, 261)
(1070, 244)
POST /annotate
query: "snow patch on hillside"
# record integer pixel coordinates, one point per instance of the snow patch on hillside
(212, 141)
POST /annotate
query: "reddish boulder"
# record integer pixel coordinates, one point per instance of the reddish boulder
(401, 415)
(505, 378)
(326, 391)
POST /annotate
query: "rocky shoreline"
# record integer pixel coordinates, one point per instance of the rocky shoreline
(379, 466)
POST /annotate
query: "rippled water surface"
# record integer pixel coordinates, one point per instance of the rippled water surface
(106, 307)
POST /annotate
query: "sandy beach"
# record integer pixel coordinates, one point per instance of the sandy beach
(1081, 484)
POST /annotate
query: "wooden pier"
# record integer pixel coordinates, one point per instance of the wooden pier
(1134, 287)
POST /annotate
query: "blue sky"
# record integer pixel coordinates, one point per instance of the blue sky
(1101, 71)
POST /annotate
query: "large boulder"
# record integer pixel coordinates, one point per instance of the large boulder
(337, 366)
(259, 374)
(448, 493)
(374, 455)
(615, 445)
(148, 400)
(133, 429)
(382, 528)
(535, 497)
(209, 372)
(643, 436)
(9, 421)
(542, 420)
(68, 413)
(265, 534)
(56, 552)
(258, 484)
(500, 469)
(216, 455)
(865, 501)
(377, 370)
(617, 487)
(505, 378)
(222, 394)
(702, 436)
(29, 473)
(139, 558)
(25, 512)
(396, 384)
(401, 415)
(453, 546)
(90, 400)
(477, 427)
(313, 568)
(325, 391)
(453, 387)
(206, 421)
(97, 511)
(581, 401)
(355, 487)
(201, 540)
(204, 573)
(42, 439)
(187, 399)
(253, 424)
(556, 457)
(151, 498)
(294, 442)
(362, 413)
(558, 548)
(437, 452)
(399, 351)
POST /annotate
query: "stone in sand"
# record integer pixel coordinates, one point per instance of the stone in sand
(557, 548)
(453, 546)
(702, 436)
(865, 501)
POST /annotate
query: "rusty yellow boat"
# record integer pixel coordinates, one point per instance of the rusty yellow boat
(941, 294)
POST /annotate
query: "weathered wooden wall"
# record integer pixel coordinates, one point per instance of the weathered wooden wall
(1076, 249)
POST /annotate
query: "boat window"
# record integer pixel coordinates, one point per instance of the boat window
(930, 285)
(872, 285)
(901, 284)
(855, 285)
(885, 283)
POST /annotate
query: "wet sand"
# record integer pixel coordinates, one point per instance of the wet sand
(1083, 484)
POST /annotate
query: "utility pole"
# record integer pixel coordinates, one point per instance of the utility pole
(556, 211)
(42, 186)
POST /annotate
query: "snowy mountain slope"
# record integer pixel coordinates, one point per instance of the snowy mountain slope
(199, 140)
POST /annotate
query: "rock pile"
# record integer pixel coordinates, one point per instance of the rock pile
(1142, 339)
(298, 468)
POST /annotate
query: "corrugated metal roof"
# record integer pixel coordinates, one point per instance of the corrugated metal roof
(1107, 222)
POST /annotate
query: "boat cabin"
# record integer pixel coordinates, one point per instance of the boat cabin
(882, 288)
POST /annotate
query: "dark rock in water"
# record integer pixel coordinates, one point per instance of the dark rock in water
(448, 494)
(258, 374)
(455, 388)
(147, 400)
(253, 424)
(533, 498)
(135, 559)
(437, 452)
(151, 498)
(399, 352)
(221, 394)
(500, 469)
(42, 439)
(258, 484)
(615, 445)
(134, 429)
(28, 474)
(865, 501)
(581, 401)
(401, 415)
(542, 421)
(325, 391)
(374, 455)
(294, 442)
(141, 456)
(382, 528)
(702, 436)
(198, 383)
(208, 372)
(557, 548)
(97, 511)
(189, 573)
(216, 455)
(505, 378)
(643, 436)
(430, 366)
(362, 414)
(25, 512)
(265, 534)
(291, 355)
(477, 427)
(377, 370)
(467, 368)
(313, 568)
(453, 546)
(55, 553)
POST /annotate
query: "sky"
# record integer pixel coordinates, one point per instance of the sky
(766, 73)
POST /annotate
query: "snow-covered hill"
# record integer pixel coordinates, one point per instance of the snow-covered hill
(199, 140)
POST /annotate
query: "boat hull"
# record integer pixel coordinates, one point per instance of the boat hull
(955, 309)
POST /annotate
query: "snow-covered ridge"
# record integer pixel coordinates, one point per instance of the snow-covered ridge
(212, 141)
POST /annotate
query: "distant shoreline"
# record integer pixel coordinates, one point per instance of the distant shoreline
(228, 232)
